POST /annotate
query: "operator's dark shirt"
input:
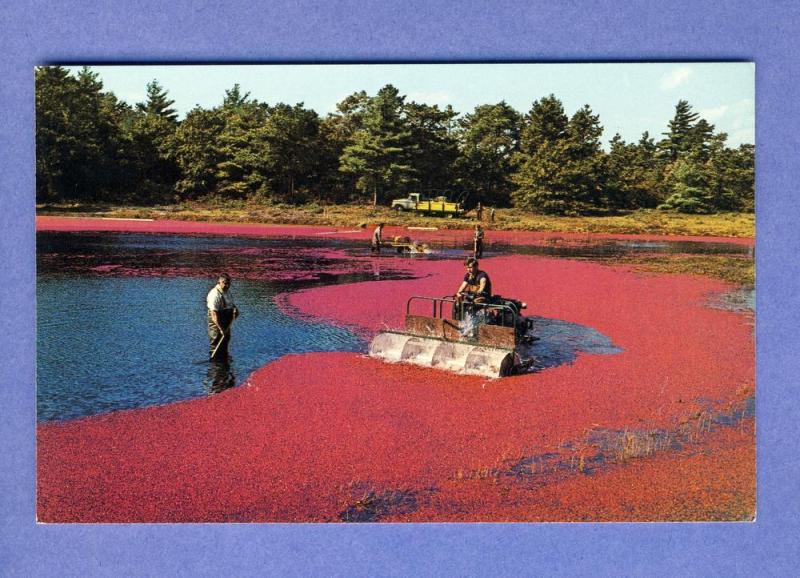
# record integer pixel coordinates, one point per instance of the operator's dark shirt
(474, 282)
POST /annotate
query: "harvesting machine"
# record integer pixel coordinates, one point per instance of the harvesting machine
(461, 335)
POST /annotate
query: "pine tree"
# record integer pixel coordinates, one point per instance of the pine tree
(678, 140)
(157, 103)
(561, 166)
(542, 156)
(488, 139)
(731, 175)
(588, 184)
(290, 134)
(234, 97)
(79, 145)
(382, 150)
(545, 122)
(337, 132)
(434, 147)
(243, 167)
(55, 90)
(689, 183)
(698, 140)
(350, 113)
(634, 174)
(196, 149)
(152, 131)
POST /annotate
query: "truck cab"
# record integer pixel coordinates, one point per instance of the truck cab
(439, 205)
(410, 203)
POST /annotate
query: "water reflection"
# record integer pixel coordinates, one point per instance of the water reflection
(295, 261)
(220, 376)
(614, 248)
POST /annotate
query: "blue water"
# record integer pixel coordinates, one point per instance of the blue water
(112, 334)
(559, 342)
(116, 343)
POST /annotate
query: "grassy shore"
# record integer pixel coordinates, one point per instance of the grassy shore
(651, 222)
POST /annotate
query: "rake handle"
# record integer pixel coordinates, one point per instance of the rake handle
(222, 336)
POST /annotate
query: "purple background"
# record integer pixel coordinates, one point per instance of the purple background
(37, 32)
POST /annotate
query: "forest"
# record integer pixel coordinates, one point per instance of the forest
(93, 147)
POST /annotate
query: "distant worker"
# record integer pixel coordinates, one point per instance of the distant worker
(221, 313)
(479, 211)
(491, 215)
(476, 284)
(376, 239)
(477, 242)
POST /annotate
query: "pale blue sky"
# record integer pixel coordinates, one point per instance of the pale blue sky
(629, 98)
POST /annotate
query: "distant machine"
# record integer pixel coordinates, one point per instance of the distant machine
(407, 245)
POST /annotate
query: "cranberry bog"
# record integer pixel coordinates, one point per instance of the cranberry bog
(658, 424)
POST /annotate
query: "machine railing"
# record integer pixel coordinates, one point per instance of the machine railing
(462, 304)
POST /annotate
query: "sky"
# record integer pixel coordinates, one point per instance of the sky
(630, 98)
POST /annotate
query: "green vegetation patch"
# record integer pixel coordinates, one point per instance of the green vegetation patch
(737, 270)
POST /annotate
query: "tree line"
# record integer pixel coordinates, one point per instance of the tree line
(93, 147)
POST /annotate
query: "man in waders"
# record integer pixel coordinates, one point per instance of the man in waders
(221, 313)
(377, 240)
(477, 242)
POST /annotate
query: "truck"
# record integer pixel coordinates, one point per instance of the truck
(436, 206)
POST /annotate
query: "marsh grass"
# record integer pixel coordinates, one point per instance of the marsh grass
(372, 506)
(646, 221)
(739, 270)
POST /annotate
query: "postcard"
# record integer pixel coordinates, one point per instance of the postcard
(395, 293)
